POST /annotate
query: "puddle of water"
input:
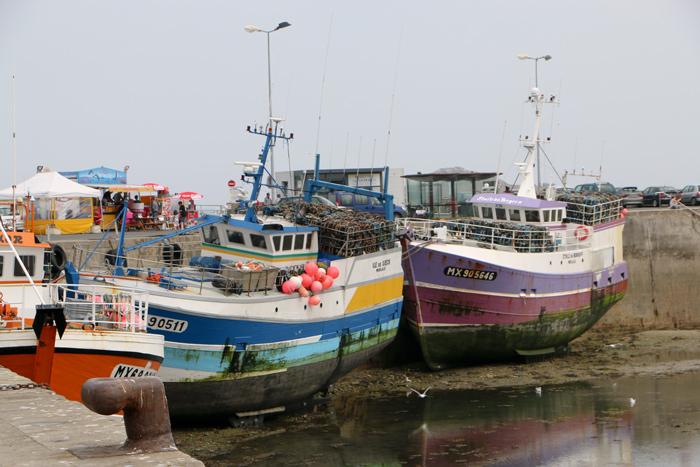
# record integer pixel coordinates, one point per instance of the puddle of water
(580, 424)
(666, 356)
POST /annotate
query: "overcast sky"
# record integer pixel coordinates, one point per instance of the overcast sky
(168, 87)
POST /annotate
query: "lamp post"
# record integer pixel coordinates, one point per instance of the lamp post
(546, 59)
(253, 29)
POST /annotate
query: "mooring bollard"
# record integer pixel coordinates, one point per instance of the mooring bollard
(145, 408)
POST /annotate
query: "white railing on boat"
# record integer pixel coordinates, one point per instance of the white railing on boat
(478, 233)
(99, 307)
(593, 212)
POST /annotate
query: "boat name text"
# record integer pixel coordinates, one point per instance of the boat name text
(16, 239)
(471, 273)
(381, 265)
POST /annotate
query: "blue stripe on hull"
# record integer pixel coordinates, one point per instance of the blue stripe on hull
(352, 333)
(203, 330)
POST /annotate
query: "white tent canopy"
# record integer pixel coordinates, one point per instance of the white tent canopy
(50, 185)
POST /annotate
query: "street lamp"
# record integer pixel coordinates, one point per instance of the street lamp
(252, 29)
(546, 58)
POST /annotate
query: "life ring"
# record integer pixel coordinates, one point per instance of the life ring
(581, 232)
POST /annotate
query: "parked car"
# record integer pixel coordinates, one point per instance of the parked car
(603, 187)
(365, 203)
(690, 195)
(658, 195)
(631, 196)
(315, 199)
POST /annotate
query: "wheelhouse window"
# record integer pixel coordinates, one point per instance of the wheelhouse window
(299, 242)
(277, 240)
(514, 214)
(29, 263)
(258, 241)
(546, 215)
(2, 262)
(211, 235)
(559, 214)
(501, 214)
(235, 237)
(287, 242)
(486, 213)
(532, 215)
(309, 238)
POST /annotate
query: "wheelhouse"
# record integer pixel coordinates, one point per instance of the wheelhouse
(511, 208)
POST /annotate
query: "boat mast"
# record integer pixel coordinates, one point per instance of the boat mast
(526, 169)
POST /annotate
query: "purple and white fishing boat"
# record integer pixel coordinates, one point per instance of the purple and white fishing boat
(523, 277)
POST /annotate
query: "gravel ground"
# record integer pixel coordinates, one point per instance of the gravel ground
(598, 354)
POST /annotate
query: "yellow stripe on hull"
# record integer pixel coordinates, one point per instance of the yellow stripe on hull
(379, 292)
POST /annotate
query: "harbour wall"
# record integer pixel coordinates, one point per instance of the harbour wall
(662, 250)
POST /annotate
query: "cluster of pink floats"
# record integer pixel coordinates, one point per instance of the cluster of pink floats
(314, 279)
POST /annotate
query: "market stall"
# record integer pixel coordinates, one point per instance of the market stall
(58, 203)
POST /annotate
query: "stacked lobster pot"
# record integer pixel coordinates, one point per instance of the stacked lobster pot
(342, 232)
(591, 207)
(523, 238)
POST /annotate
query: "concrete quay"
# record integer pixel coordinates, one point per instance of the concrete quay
(39, 428)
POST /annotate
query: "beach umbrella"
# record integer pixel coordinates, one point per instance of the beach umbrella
(155, 186)
(188, 195)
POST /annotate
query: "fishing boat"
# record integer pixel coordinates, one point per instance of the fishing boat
(246, 334)
(101, 330)
(523, 277)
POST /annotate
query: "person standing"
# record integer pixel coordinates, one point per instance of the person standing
(268, 200)
(155, 208)
(183, 215)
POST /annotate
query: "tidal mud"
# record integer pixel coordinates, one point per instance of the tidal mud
(598, 354)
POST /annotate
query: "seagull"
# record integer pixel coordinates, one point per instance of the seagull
(610, 346)
(538, 391)
(422, 396)
(632, 402)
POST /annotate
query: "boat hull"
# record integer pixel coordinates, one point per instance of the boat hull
(513, 312)
(225, 355)
(274, 390)
(80, 355)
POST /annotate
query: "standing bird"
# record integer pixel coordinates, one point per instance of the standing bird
(422, 396)
(632, 402)
(538, 391)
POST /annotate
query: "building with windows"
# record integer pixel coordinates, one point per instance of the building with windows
(445, 193)
(367, 178)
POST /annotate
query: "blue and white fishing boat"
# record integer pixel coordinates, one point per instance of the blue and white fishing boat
(235, 345)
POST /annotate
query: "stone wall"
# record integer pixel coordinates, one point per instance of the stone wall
(662, 250)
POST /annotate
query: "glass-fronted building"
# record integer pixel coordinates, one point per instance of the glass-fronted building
(445, 193)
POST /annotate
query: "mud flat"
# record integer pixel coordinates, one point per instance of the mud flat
(598, 354)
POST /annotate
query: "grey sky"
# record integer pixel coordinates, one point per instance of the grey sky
(168, 87)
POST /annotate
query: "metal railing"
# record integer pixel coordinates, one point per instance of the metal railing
(498, 236)
(355, 240)
(592, 211)
(88, 307)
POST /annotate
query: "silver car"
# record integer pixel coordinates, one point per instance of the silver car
(631, 196)
(690, 195)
